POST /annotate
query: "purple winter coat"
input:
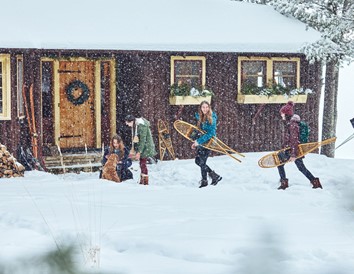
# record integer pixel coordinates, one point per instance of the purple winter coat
(291, 135)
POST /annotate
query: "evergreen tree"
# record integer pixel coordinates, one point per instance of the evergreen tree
(335, 20)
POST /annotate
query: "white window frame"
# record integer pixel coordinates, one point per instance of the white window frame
(6, 87)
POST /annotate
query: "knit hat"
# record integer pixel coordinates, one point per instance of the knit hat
(288, 109)
(129, 118)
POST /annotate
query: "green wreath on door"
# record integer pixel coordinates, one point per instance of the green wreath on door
(77, 84)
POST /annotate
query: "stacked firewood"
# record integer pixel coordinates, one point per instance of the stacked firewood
(9, 167)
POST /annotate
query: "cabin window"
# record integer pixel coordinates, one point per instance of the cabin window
(105, 86)
(20, 105)
(47, 94)
(257, 73)
(254, 73)
(5, 102)
(284, 74)
(188, 70)
(47, 89)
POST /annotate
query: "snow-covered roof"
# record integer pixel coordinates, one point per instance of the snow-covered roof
(172, 25)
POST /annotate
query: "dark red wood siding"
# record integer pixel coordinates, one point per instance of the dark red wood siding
(13, 133)
(143, 90)
(143, 81)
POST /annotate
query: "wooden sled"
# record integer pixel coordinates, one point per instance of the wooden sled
(282, 156)
(192, 133)
(165, 142)
(109, 171)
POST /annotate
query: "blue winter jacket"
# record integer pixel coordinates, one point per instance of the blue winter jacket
(210, 129)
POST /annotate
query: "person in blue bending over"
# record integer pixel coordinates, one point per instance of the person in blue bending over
(117, 147)
(206, 121)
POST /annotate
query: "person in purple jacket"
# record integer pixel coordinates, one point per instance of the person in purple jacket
(206, 121)
(291, 140)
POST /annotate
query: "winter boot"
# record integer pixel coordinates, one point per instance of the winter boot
(283, 184)
(203, 183)
(215, 178)
(316, 183)
(144, 179)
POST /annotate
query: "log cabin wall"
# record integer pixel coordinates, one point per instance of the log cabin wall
(14, 132)
(105, 71)
(6, 126)
(33, 77)
(143, 81)
(47, 92)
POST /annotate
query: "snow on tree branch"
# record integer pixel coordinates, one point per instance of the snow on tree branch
(333, 18)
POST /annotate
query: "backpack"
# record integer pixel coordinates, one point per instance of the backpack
(304, 132)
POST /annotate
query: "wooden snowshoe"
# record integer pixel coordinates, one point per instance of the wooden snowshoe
(165, 142)
(282, 156)
(192, 133)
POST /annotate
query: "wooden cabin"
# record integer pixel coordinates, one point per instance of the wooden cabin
(83, 91)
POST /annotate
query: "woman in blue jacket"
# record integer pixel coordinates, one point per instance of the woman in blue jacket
(206, 121)
(125, 162)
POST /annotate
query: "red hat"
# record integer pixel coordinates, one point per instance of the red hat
(288, 109)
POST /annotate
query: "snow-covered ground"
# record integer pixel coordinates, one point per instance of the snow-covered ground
(242, 225)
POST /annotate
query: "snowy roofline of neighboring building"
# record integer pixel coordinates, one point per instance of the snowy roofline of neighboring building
(180, 25)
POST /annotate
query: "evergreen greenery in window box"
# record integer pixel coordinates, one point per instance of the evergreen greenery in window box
(273, 94)
(186, 95)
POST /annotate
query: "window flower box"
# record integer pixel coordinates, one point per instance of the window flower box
(275, 94)
(186, 95)
(273, 99)
(189, 100)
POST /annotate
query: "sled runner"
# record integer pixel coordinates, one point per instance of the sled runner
(109, 170)
(165, 142)
(31, 158)
(31, 119)
(192, 133)
(282, 156)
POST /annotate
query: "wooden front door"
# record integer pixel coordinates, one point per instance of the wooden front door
(76, 103)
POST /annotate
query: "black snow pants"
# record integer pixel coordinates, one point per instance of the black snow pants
(301, 166)
(200, 160)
